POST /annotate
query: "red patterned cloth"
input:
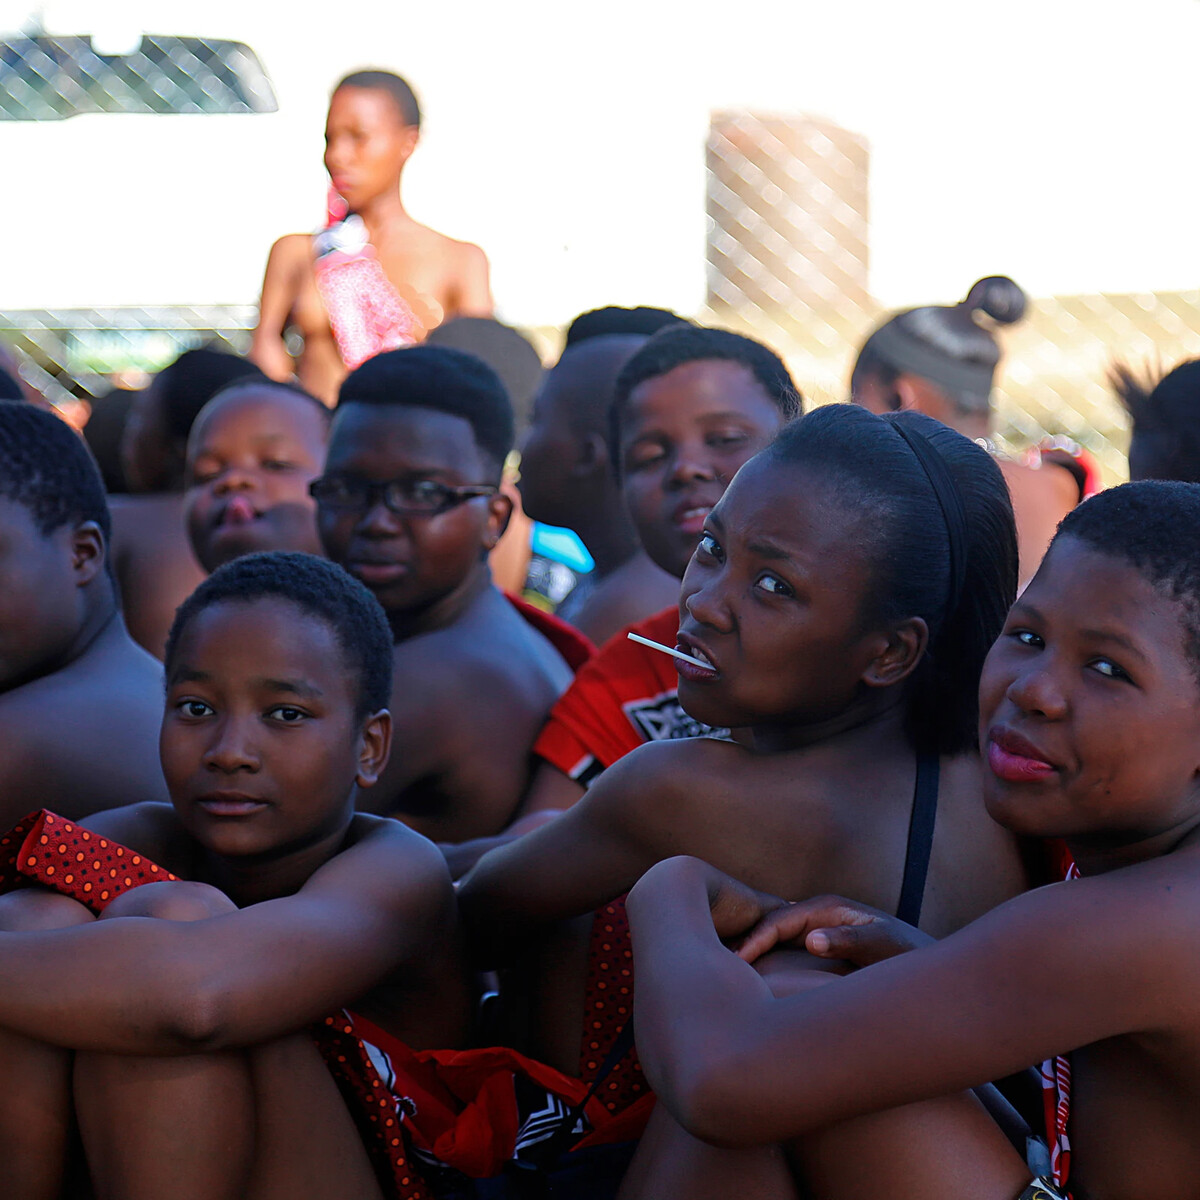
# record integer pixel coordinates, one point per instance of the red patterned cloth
(1055, 1075)
(366, 312)
(608, 1008)
(627, 695)
(48, 849)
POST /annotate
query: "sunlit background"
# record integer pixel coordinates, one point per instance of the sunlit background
(1051, 140)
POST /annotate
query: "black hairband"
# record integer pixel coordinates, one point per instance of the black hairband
(949, 500)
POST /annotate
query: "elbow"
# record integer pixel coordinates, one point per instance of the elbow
(707, 1101)
(195, 1019)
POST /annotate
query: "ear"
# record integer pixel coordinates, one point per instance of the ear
(902, 651)
(87, 552)
(410, 135)
(499, 510)
(909, 391)
(375, 748)
(593, 455)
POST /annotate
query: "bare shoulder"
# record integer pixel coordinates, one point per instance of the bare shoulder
(292, 248)
(151, 829)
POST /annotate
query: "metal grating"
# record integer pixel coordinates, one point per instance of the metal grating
(51, 78)
(81, 352)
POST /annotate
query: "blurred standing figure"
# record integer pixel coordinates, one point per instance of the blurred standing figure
(373, 279)
(941, 360)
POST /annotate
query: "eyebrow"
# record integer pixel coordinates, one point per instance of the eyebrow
(768, 550)
(293, 687)
(1118, 639)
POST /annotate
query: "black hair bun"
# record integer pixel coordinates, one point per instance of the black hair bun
(998, 297)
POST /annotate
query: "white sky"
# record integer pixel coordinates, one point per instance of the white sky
(1054, 140)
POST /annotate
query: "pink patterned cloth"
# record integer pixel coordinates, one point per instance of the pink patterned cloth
(365, 311)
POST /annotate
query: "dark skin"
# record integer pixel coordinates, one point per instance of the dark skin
(251, 455)
(473, 681)
(367, 145)
(192, 1077)
(1091, 723)
(567, 478)
(64, 656)
(820, 791)
(154, 564)
(692, 428)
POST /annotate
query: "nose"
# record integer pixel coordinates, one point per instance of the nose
(692, 465)
(233, 479)
(1037, 691)
(706, 600)
(232, 748)
(378, 521)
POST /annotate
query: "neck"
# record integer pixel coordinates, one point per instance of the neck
(610, 538)
(252, 880)
(444, 611)
(103, 624)
(879, 716)
(382, 211)
(1096, 856)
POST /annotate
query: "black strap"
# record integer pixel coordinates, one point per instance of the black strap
(542, 1156)
(920, 839)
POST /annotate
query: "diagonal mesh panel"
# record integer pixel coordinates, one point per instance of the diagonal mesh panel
(50, 78)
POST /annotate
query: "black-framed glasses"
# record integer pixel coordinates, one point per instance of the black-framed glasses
(413, 497)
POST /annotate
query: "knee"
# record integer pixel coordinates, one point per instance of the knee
(36, 908)
(179, 900)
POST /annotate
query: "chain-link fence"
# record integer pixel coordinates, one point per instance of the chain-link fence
(83, 352)
(787, 263)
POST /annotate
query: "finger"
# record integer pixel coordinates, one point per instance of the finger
(858, 944)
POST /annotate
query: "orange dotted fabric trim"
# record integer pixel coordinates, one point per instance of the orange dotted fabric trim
(371, 1104)
(608, 1005)
(48, 849)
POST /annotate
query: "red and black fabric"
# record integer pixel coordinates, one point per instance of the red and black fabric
(576, 648)
(608, 1008)
(431, 1120)
(60, 854)
(626, 696)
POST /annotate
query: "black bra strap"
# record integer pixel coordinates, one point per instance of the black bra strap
(920, 839)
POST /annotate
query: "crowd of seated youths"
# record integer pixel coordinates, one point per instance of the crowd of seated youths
(334, 870)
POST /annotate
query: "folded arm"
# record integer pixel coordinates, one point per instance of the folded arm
(142, 986)
(1052, 970)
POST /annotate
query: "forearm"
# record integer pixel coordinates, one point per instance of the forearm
(137, 985)
(692, 995)
(462, 856)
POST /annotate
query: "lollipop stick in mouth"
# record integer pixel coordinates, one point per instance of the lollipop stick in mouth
(637, 637)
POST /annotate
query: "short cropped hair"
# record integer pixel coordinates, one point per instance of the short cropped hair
(316, 587)
(604, 322)
(387, 81)
(675, 345)
(442, 379)
(46, 467)
(265, 383)
(1154, 526)
(184, 387)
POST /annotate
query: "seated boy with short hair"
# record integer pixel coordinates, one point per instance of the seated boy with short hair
(251, 455)
(80, 703)
(193, 1075)
(410, 504)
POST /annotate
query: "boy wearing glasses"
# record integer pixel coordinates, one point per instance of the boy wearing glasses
(410, 505)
